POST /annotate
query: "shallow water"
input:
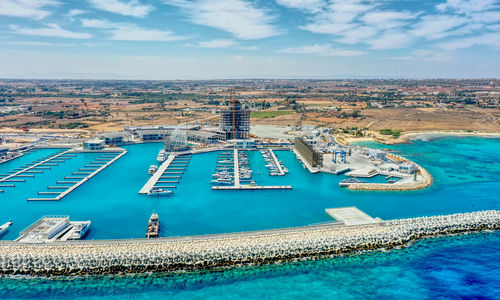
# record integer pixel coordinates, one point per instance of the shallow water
(466, 173)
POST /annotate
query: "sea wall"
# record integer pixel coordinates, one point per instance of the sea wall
(229, 250)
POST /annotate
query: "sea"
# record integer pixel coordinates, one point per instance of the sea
(466, 173)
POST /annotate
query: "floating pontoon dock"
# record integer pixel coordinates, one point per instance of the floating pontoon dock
(277, 163)
(76, 184)
(156, 176)
(169, 172)
(38, 165)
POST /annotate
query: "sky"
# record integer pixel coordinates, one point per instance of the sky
(225, 39)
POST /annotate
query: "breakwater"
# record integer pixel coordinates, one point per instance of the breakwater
(229, 250)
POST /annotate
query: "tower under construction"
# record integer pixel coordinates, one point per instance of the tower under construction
(235, 121)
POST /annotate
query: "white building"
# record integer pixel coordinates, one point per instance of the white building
(95, 144)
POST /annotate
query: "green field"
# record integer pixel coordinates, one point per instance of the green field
(269, 114)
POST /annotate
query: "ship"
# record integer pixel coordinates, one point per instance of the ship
(162, 156)
(153, 226)
(5, 226)
(54, 228)
(159, 192)
(152, 169)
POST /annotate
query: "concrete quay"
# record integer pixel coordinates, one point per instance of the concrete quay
(231, 250)
(425, 180)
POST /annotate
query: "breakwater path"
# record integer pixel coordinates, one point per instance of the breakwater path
(228, 250)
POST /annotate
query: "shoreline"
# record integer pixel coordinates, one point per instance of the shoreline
(232, 250)
(406, 137)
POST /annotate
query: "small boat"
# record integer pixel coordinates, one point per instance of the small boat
(392, 181)
(153, 226)
(152, 169)
(222, 181)
(159, 192)
(162, 156)
(5, 226)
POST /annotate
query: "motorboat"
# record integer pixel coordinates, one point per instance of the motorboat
(162, 156)
(153, 226)
(5, 226)
(152, 169)
(159, 192)
(79, 229)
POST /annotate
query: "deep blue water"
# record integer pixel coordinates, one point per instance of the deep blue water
(466, 173)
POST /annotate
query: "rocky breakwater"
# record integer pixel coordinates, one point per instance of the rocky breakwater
(229, 250)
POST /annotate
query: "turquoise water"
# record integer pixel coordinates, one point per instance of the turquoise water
(466, 173)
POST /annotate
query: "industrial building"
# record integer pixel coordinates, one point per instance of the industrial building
(235, 121)
(313, 158)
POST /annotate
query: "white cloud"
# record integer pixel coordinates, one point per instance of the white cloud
(35, 43)
(322, 50)
(251, 48)
(387, 19)
(51, 30)
(391, 40)
(130, 32)
(357, 35)
(434, 27)
(33, 9)
(216, 43)
(127, 8)
(312, 6)
(467, 6)
(238, 17)
(488, 39)
(75, 12)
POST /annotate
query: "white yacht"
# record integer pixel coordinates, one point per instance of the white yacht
(162, 156)
(152, 169)
(79, 229)
(5, 226)
(159, 192)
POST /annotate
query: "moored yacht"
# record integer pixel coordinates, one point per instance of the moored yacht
(162, 156)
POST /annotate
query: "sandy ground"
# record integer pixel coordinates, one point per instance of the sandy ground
(405, 137)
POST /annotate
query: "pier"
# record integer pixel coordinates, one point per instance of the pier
(38, 165)
(156, 176)
(76, 184)
(169, 172)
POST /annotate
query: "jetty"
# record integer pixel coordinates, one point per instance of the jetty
(169, 172)
(281, 172)
(156, 176)
(191, 253)
(82, 179)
